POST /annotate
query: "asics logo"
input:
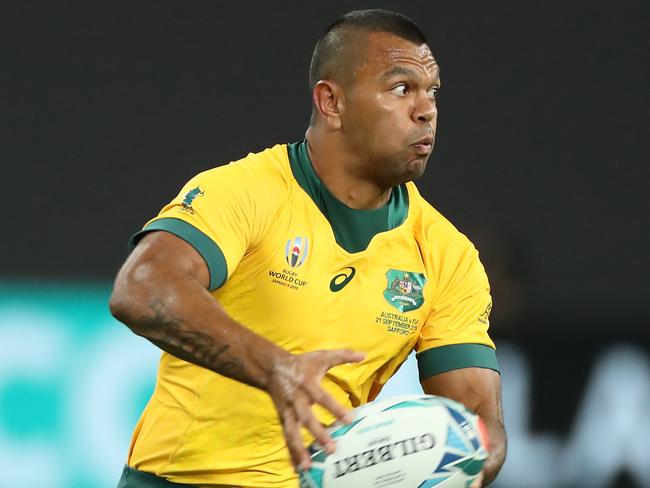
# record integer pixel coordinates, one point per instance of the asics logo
(342, 279)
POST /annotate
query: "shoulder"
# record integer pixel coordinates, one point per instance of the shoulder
(450, 258)
(431, 228)
(268, 169)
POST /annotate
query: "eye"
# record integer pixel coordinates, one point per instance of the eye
(400, 89)
(432, 93)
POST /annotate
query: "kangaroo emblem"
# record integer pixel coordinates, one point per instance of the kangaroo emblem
(189, 198)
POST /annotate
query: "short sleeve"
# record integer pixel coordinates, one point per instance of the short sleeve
(216, 213)
(455, 334)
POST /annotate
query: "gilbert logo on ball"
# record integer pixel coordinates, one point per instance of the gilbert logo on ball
(410, 441)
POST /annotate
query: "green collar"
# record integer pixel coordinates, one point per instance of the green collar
(353, 229)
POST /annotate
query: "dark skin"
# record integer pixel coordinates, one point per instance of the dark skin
(368, 135)
(378, 131)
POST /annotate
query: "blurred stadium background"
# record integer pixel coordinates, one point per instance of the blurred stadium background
(542, 159)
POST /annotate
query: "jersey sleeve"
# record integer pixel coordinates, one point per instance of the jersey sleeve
(455, 335)
(217, 214)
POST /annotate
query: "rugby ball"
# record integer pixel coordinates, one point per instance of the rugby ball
(408, 441)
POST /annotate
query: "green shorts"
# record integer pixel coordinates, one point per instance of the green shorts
(132, 478)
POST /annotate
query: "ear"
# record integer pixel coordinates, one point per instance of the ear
(327, 97)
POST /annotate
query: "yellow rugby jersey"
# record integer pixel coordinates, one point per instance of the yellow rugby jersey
(294, 264)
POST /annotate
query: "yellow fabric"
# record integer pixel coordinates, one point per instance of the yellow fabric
(203, 428)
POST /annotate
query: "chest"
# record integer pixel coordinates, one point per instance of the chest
(301, 289)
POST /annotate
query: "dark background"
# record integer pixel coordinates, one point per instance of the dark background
(541, 157)
(542, 153)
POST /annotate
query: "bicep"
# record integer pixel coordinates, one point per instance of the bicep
(479, 389)
(159, 254)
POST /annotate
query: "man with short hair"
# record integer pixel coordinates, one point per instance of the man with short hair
(287, 287)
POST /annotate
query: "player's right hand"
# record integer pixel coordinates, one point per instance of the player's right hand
(295, 385)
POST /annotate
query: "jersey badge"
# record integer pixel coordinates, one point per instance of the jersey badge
(404, 289)
(186, 205)
(296, 250)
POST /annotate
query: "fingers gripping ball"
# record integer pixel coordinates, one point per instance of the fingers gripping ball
(410, 441)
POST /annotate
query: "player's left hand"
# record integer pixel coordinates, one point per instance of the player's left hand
(478, 482)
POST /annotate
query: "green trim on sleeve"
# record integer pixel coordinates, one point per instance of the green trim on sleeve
(456, 356)
(205, 246)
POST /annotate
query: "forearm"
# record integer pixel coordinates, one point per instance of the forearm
(498, 443)
(178, 315)
(479, 389)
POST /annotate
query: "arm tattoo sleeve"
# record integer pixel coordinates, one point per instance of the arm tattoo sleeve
(172, 334)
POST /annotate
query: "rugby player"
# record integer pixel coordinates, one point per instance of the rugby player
(287, 287)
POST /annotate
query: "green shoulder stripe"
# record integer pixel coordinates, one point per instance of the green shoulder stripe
(205, 246)
(456, 356)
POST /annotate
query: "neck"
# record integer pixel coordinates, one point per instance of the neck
(332, 162)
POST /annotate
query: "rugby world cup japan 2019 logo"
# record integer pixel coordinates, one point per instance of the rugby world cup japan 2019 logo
(296, 251)
(404, 290)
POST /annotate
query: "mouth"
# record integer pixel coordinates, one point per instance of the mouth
(423, 146)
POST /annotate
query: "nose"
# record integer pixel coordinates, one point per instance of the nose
(425, 109)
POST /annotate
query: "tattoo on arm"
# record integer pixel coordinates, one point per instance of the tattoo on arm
(170, 333)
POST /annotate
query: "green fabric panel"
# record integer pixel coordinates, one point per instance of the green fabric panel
(398, 206)
(353, 229)
(205, 246)
(456, 356)
(132, 478)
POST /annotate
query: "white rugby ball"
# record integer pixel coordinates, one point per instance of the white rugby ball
(408, 441)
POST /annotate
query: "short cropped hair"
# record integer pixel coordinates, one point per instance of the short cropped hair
(332, 55)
